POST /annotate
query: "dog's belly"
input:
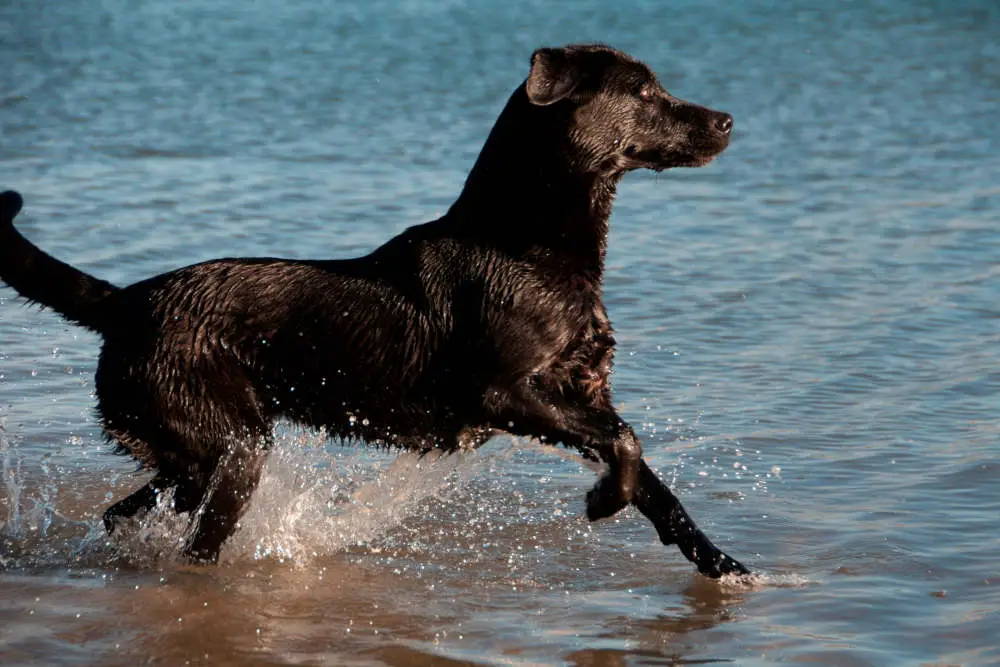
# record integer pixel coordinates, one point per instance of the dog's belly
(366, 398)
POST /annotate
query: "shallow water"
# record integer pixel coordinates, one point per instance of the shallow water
(809, 336)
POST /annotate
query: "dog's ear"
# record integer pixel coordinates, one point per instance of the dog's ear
(553, 76)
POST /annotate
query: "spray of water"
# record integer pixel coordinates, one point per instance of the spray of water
(314, 498)
(38, 526)
(10, 476)
(310, 503)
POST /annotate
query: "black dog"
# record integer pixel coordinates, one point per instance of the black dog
(489, 319)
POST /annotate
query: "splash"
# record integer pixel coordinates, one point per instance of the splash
(759, 580)
(12, 489)
(310, 503)
(34, 529)
(314, 498)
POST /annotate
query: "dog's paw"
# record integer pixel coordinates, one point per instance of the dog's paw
(110, 521)
(604, 500)
(714, 563)
(720, 564)
(201, 556)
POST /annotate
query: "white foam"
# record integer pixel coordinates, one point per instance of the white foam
(759, 580)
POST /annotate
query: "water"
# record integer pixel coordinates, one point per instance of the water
(809, 339)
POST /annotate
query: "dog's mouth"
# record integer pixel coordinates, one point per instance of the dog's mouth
(685, 161)
(659, 160)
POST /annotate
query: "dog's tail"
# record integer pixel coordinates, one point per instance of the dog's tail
(43, 279)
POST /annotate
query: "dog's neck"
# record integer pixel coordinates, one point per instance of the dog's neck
(528, 197)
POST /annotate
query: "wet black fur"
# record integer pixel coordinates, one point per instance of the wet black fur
(489, 319)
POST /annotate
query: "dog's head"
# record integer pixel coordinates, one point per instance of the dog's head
(620, 117)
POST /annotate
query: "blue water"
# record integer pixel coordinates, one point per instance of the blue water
(809, 335)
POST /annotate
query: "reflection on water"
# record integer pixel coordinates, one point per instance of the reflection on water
(808, 336)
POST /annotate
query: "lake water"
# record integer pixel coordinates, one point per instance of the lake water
(809, 335)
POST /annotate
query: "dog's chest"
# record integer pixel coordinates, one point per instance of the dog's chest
(581, 369)
(591, 357)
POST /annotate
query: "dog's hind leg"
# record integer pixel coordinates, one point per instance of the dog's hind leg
(188, 494)
(654, 499)
(142, 500)
(229, 489)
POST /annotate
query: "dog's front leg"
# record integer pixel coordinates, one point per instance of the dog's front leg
(654, 499)
(600, 433)
(597, 431)
(623, 454)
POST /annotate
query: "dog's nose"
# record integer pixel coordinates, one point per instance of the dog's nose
(724, 123)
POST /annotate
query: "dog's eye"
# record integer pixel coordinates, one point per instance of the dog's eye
(646, 92)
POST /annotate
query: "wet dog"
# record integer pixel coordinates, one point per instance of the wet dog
(489, 319)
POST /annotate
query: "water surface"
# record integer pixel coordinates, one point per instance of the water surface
(809, 336)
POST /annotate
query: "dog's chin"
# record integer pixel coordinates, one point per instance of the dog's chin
(661, 161)
(682, 161)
